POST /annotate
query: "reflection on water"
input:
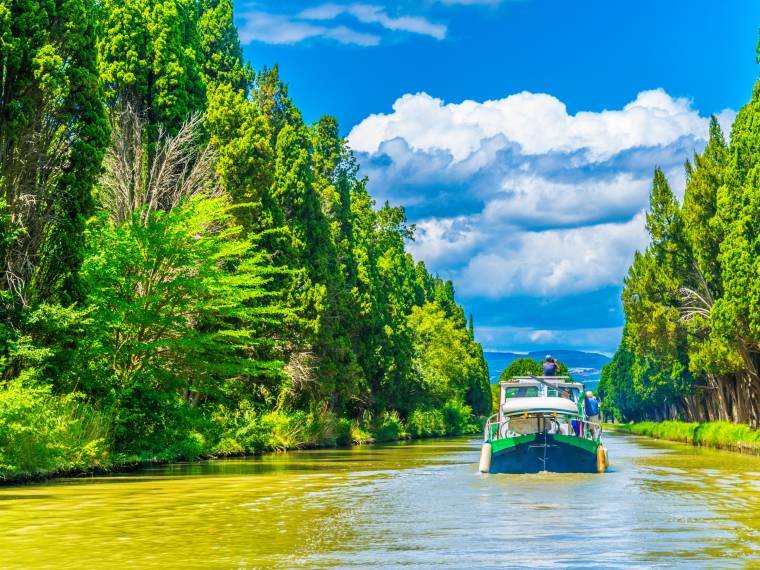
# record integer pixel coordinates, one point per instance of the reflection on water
(416, 504)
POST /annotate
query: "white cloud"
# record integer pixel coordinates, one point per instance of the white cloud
(537, 122)
(511, 261)
(318, 22)
(283, 29)
(517, 197)
(530, 198)
(524, 205)
(554, 262)
(372, 14)
(441, 239)
(542, 336)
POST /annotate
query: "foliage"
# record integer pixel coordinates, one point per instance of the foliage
(495, 396)
(150, 60)
(40, 432)
(53, 131)
(528, 367)
(457, 417)
(214, 277)
(389, 427)
(445, 360)
(426, 423)
(691, 345)
(521, 367)
(164, 302)
(720, 434)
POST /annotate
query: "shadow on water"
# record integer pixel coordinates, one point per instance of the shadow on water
(419, 504)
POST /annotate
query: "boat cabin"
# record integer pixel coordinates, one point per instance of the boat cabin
(541, 386)
(534, 404)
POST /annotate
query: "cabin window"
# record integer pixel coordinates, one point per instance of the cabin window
(569, 393)
(522, 392)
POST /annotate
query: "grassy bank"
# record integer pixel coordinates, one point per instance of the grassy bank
(719, 435)
(44, 436)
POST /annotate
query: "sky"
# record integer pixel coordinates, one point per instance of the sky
(520, 135)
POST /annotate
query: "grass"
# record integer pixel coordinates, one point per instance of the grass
(41, 433)
(720, 435)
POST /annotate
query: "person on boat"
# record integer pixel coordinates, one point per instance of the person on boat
(550, 366)
(591, 407)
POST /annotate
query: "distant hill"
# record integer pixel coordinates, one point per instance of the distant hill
(586, 367)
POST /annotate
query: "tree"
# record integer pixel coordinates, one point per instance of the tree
(270, 95)
(52, 135)
(150, 60)
(220, 47)
(445, 366)
(521, 367)
(700, 206)
(181, 297)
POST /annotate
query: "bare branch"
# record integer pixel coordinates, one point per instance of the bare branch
(182, 168)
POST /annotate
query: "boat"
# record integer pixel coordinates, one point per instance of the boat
(541, 426)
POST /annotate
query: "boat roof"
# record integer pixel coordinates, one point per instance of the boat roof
(537, 380)
(539, 405)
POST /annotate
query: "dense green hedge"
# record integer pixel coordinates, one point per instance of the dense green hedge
(721, 435)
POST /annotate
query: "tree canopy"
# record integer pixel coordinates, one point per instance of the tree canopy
(186, 256)
(691, 344)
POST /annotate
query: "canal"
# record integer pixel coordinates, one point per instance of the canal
(416, 504)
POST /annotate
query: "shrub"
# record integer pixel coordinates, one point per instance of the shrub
(457, 417)
(359, 433)
(191, 446)
(724, 435)
(227, 446)
(343, 436)
(426, 423)
(389, 427)
(41, 433)
(281, 431)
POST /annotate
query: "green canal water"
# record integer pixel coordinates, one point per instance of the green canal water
(418, 504)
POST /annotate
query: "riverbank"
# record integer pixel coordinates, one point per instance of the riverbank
(718, 435)
(38, 451)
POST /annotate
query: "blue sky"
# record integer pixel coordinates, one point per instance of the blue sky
(520, 135)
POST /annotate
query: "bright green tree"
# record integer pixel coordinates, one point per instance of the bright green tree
(151, 60)
(521, 367)
(222, 56)
(52, 135)
(180, 304)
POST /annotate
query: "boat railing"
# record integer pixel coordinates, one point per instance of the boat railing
(493, 428)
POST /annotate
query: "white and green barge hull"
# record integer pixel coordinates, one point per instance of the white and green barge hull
(541, 427)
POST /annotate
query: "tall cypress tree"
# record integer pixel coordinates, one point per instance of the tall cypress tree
(151, 60)
(700, 206)
(52, 135)
(220, 47)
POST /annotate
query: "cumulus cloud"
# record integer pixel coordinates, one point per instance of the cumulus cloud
(532, 200)
(537, 122)
(554, 262)
(521, 202)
